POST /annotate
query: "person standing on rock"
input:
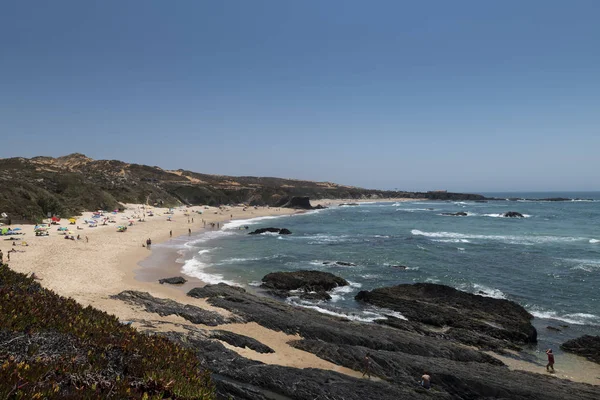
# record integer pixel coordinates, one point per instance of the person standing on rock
(367, 365)
(550, 360)
(426, 380)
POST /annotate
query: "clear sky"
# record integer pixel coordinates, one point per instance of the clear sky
(416, 95)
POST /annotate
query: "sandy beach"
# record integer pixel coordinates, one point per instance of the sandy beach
(108, 262)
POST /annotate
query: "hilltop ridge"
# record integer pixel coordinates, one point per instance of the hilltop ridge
(32, 188)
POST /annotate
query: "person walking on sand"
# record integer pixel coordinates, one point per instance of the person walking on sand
(189, 232)
(426, 380)
(86, 239)
(550, 360)
(170, 233)
(367, 365)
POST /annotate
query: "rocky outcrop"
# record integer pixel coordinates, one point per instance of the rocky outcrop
(298, 202)
(166, 307)
(340, 263)
(309, 324)
(176, 280)
(513, 214)
(471, 319)
(239, 378)
(400, 356)
(586, 346)
(314, 285)
(281, 231)
(457, 214)
(242, 341)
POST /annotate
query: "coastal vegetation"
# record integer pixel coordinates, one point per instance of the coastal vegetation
(31, 189)
(51, 347)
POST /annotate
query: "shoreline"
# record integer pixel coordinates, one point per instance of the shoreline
(112, 262)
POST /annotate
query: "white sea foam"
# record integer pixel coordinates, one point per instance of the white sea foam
(205, 237)
(339, 292)
(236, 224)
(196, 268)
(351, 317)
(525, 240)
(488, 291)
(451, 240)
(588, 265)
(575, 319)
(460, 248)
(594, 241)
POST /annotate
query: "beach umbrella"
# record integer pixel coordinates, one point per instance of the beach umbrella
(72, 220)
(55, 219)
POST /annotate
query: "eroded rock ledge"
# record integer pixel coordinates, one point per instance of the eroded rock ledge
(471, 319)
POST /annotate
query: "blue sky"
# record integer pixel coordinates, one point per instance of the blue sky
(461, 95)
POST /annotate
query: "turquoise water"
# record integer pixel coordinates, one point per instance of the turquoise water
(549, 262)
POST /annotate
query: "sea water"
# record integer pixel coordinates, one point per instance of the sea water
(548, 261)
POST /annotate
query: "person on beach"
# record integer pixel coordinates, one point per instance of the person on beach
(170, 233)
(189, 232)
(1, 257)
(217, 225)
(426, 380)
(550, 360)
(192, 220)
(86, 239)
(367, 365)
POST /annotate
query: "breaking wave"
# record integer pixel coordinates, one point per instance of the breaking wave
(511, 239)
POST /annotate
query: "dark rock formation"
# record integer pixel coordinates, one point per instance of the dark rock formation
(176, 280)
(399, 358)
(475, 320)
(340, 263)
(587, 346)
(165, 307)
(308, 281)
(553, 328)
(239, 378)
(309, 324)
(399, 266)
(348, 204)
(513, 214)
(242, 341)
(457, 214)
(281, 231)
(302, 203)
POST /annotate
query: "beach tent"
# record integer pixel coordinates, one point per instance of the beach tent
(63, 229)
(4, 231)
(55, 219)
(72, 221)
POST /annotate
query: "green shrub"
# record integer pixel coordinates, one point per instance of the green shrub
(51, 347)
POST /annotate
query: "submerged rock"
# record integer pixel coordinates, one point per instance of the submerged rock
(340, 263)
(587, 346)
(176, 280)
(457, 214)
(281, 231)
(472, 319)
(513, 214)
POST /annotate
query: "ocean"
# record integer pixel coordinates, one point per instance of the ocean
(548, 261)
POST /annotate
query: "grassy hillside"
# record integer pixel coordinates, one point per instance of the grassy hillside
(52, 348)
(65, 186)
